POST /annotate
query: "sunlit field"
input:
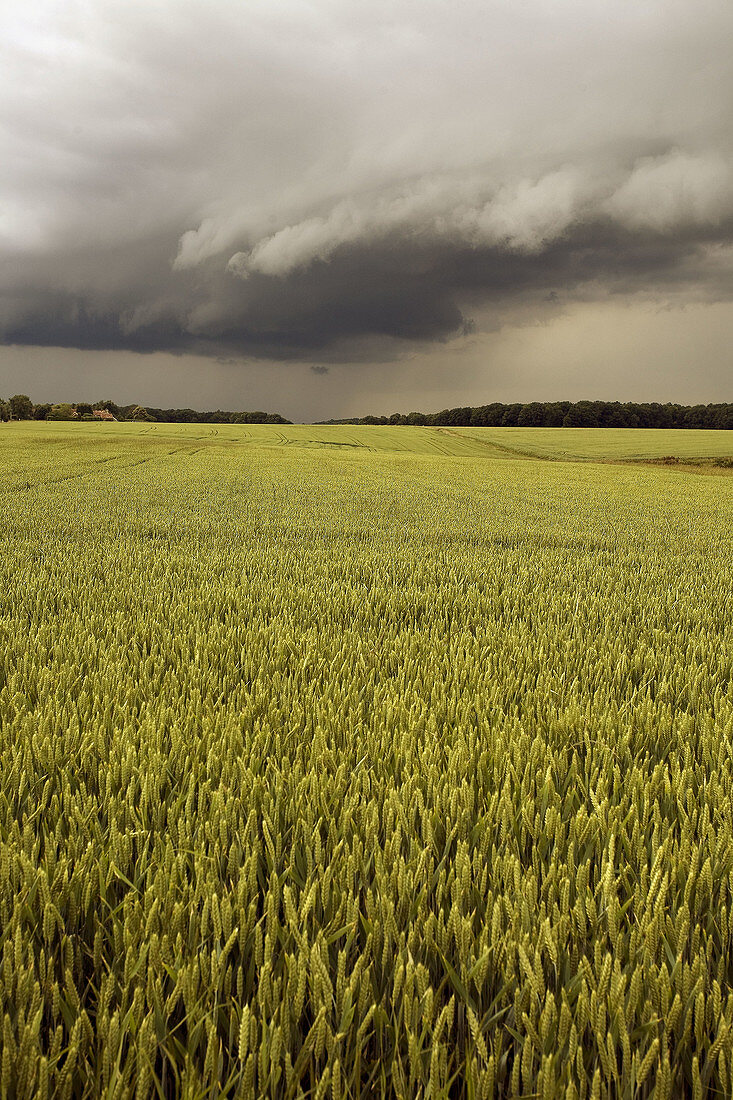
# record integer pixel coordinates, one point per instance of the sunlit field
(49, 445)
(355, 761)
(619, 444)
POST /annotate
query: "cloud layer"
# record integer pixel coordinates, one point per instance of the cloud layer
(299, 179)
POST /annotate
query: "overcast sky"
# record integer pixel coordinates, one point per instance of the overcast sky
(332, 208)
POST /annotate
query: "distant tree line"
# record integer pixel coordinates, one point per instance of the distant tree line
(565, 414)
(191, 416)
(535, 414)
(20, 407)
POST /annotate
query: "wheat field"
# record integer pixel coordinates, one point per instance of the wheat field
(362, 762)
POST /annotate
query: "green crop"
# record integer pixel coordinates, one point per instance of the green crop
(335, 772)
(617, 444)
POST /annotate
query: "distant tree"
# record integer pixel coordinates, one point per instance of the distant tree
(140, 414)
(110, 406)
(84, 409)
(487, 416)
(511, 415)
(460, 417)
(613, 416)
(532, 416)
(63, 411)
(555, 412)
(582, 414)
(40, 412)
(21, 407)
(630, 416)
(4, 410)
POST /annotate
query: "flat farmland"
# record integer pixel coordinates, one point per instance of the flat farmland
(359, 761)
(610, 444)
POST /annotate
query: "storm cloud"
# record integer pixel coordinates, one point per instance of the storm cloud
(310, 180)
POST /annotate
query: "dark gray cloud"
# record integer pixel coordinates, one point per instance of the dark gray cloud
(300, 181)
